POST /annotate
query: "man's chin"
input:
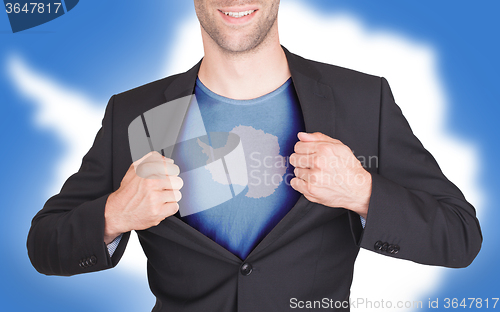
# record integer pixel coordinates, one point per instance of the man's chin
(240, 46)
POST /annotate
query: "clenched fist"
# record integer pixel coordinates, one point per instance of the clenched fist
(148, 194)
(328, 173)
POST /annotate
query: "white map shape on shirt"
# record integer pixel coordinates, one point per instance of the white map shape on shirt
(265, 166)
(233, 160)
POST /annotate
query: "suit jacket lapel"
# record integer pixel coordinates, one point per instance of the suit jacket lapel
(316, 99)
(183, 85)
(318, 109)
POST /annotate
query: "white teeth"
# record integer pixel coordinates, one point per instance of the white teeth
(239, 14)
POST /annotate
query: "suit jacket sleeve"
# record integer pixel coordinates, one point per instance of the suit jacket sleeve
(413, 205)
(67, 235)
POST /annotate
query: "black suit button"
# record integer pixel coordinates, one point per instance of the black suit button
(246, 269)
(81, 264)
(390, 249)
(378, 245)
(395, 249)
(87, 262)
(93, 260)
(384, 247)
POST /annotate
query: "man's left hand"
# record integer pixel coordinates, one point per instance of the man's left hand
(328, 173)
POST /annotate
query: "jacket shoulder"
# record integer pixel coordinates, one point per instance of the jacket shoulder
(152, 91)
(333, 74)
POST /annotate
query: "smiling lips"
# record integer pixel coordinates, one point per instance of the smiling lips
(239, 14)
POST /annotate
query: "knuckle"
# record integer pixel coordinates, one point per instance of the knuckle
(304, 161)
(171, 208)
(155, 210)
(311, 189)
(168, 196)
(173, 169)
(297, 161)
(345, 150)
(177, 195)
(176, 182)
(168, 183)
(169, 160)
(313, 178)
(317, 162)
(297, 147)
(324, 148)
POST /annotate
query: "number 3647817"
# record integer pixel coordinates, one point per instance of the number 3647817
(32, 7)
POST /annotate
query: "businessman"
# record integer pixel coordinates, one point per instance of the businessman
(294, 238)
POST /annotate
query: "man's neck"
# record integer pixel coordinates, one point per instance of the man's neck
(246, 75)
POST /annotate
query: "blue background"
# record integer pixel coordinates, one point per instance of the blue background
(106, 47)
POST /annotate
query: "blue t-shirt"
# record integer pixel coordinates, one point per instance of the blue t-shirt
(244, 210)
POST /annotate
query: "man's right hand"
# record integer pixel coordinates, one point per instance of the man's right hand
(148, 194)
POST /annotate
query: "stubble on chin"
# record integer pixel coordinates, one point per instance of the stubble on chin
(250, 41)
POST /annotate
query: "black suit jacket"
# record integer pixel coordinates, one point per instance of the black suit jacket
(414, 210)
